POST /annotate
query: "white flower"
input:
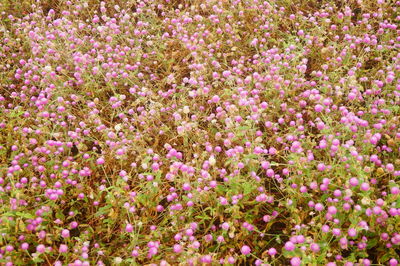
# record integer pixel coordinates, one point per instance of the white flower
(118, 127)
(212, 160)
(186, 109)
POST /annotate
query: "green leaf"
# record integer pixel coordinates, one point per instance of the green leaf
(19, 214)
(385, 257)
(37, 259)
(203, 217)
(60, 216)
(251, 156)
(103, 210)
(25, 215)
(247, 188)
(372, 243)
(220, 189)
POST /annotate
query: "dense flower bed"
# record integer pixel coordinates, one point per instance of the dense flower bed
(180, 132)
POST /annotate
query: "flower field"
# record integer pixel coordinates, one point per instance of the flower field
(199, 132)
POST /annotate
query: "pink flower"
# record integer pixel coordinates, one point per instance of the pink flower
(245, 250)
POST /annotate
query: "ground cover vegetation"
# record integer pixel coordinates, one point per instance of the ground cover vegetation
(179, 132)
